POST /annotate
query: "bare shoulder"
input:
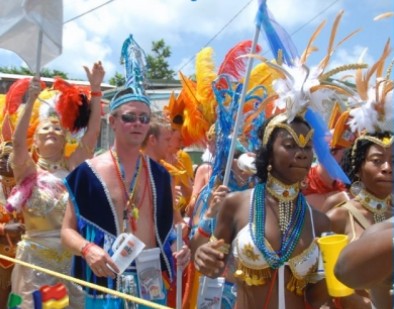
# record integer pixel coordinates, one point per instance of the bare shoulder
(334, 200)
(235, 200)
(103, 164)
(339, 216)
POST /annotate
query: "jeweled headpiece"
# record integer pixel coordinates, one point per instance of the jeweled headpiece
(134, 61)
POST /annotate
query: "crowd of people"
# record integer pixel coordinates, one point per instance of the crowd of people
(248, 231)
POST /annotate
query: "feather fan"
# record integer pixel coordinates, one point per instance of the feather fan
(16, 93)
(233, 64)
(72, 106)
(205, 75)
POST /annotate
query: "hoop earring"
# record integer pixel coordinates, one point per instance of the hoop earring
(356, 187)
(304, 183)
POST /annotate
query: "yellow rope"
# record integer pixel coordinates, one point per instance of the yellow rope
(87, 284)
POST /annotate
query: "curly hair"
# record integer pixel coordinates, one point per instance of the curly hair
(354, 156)
(265, 152)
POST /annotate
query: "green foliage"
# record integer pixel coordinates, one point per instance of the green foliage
(26, 71)
(118, 80)
(158, 67)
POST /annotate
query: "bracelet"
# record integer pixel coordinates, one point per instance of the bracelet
(86, 247)
(203, 233)
(2, 229)
(96, 94)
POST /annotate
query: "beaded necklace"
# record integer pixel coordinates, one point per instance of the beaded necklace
(285, 195)
(373, 204)
(289, 238)
(130, 211)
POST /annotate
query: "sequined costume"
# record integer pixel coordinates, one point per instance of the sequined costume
(254, 270)
(7, 244)
(42, 198)
(99, 224)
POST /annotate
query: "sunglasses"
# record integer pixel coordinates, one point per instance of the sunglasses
(131, 118)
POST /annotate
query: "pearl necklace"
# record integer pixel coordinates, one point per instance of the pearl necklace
(285, 194)
(373, 204)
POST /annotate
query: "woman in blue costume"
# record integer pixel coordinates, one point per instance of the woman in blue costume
(40, 194)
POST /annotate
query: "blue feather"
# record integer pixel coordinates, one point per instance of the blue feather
(322, 148)
(277, 37)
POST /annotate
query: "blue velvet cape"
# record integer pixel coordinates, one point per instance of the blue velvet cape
(96, 217)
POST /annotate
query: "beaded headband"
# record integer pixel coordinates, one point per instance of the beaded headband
(127, 98)
(385, 142)
(279, 121)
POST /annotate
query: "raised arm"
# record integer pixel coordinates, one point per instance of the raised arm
(21, 161)
(88, 142)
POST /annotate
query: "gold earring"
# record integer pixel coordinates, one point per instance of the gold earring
(269, 168)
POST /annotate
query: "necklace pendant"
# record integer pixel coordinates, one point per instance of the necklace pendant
(135, 213)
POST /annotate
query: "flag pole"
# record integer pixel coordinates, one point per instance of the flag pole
(39, 51)
(100, 288)
(179, 269)
(240, 108)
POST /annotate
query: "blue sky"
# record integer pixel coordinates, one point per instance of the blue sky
(187, 26)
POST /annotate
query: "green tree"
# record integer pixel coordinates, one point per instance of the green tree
(158, 67)
(118, 80)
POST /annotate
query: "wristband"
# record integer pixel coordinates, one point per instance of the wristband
(96, 93)
(203, 233)
(86, 247)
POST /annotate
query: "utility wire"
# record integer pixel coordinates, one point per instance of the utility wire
(87, 12)
(217, 34)
(241, 10)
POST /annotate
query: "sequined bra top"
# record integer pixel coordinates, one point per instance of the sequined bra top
(253, 269)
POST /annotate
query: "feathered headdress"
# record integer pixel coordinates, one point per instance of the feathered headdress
(305, 91)
(134, 60)
(373, 105)
(196, 105)
(11, 108)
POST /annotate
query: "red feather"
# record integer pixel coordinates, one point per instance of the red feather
(232, 64)
(16, 93)
(7, 129)
(68, 103)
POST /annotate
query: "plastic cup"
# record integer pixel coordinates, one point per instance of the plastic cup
(126, 248)
(330, 247)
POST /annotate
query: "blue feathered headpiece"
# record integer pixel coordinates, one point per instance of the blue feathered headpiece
(134, 60)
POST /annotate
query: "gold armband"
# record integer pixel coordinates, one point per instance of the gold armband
(225, 248)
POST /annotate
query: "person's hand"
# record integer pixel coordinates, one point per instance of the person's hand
(14, 229)
(208, 259)
(182, 256)
(177, 195)
(95, 76)
(34, 89)
(99, 260)
(216, 201)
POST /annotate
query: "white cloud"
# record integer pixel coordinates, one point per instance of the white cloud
(186, 26)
